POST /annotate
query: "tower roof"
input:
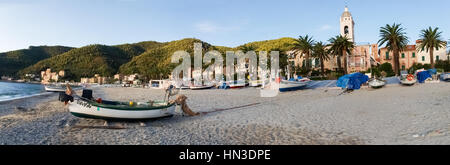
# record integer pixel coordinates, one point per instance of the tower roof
(346, 13)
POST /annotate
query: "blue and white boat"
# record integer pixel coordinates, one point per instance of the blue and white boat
(286, 86)
(445, 76)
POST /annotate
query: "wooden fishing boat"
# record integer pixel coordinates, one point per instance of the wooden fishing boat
(86, 108)
(376, 83)
(286, 86)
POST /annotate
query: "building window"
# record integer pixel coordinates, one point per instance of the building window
(423, 58)
(403, 55)
(437, 58)
(437, 48)
(403, 67)
(414, 55)
(387, 55)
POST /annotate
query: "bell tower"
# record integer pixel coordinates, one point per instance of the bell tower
(347, 25)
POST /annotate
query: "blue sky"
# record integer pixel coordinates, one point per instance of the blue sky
(219, 22)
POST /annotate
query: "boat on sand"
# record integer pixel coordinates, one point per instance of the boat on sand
(286, 86)
(88, 107)
(407, 79)
(193, 87)
(376, 83)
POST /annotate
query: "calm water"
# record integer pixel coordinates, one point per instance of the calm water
(10, 91)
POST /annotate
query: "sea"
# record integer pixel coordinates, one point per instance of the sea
(11, 90)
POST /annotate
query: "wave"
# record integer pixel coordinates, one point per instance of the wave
(11, 98)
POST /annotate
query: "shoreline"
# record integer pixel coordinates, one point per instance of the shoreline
(30, 101)
(391, 115)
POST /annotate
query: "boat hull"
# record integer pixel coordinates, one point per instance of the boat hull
(291, 86)
(445, 77)
(49, 89)
(84, 109)
(376, 84)
(408, 82)
(201, 87)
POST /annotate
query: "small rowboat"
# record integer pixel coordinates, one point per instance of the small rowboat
(85, 108)
(286, 86)
(201, 87)
(376, 83)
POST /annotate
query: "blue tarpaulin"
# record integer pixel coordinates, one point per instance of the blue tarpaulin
(422, 76)
(352, 81)
(432, 71)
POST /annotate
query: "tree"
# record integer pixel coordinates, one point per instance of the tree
(394, 36)
(245, 48)
(340, 46)
(430, 39)
(304, 44)
(320, 51)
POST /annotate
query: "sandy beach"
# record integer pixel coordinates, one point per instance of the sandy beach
(395, 114)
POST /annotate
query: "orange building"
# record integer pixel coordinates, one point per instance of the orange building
(407, 57)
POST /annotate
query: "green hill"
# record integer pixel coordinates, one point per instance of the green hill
(13, 61)
(151, 59)
(87, 61)
(282, 44)
(157, 62)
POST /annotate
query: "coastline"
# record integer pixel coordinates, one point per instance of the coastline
(390, 115)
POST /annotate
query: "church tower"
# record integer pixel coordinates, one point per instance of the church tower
(347, 25)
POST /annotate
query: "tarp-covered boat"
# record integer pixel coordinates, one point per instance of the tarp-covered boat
(423, 75)
(352, 81)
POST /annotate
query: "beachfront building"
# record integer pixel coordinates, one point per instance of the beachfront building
(97, 79)
(48, 76)
(424, 56)
(407, 57)
(411, 54)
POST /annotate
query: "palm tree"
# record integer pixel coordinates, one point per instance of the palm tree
(304, 44)
(320, 51)
(394, 36)
(430, 39)
(340, 46)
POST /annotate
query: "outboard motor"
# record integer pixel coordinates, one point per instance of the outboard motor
(87, 93)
